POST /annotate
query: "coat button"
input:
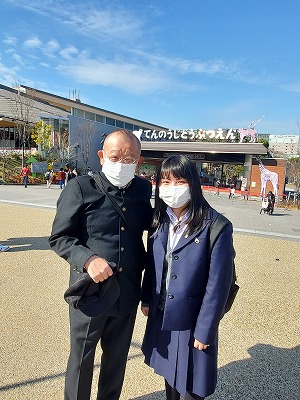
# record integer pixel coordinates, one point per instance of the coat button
(174, 276)
(123, 208)
(176, 257)
(122, 248)
(122, 228)
(170, 296)
(120, 269)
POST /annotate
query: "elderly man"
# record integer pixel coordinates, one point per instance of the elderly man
(99, 223)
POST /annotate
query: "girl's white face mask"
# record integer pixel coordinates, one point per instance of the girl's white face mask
(175, 196)
(118, 174)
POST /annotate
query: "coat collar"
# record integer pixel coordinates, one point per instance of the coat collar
(163, 232)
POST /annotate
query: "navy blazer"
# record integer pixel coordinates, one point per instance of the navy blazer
(199, 281)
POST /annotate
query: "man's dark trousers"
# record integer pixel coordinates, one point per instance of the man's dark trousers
(115, 333)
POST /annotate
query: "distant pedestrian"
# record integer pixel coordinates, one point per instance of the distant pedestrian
(3, 248)
(74, 173)
(61, 178)
(232, 191)
(246, 194)
(25, 171)
(143, 175)
(67, 174)
(217, 186)
(48, 177)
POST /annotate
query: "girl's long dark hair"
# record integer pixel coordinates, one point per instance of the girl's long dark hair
(181, 167)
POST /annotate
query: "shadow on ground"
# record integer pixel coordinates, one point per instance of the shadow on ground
(27, 243)
(270, 374)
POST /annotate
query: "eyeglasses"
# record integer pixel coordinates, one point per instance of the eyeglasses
(126, 160)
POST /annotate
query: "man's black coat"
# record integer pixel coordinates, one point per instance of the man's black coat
(86, 223)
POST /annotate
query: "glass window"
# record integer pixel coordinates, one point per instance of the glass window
(12, 133)
(99, 118)
(110, 121)
(89, 115)
(56, 124)
(136, 128)
(119, 124)
(128, 126)
(78, 113)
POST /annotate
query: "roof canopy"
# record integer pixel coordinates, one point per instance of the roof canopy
(205, 147)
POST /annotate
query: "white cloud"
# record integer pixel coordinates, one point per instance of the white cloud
(8, 75)
(10, 40)
(103, 21)
(68, 52)
(186, 66)
(33, 42)
(44, 65)
(17, 58)
(106, 24)
(51, 46)
(130, 77)
(292, 87)
(10, 51)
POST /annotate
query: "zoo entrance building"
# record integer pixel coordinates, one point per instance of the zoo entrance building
(82, 123)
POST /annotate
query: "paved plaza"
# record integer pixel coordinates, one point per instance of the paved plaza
(259, 339)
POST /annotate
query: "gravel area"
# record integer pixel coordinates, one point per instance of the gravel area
(259, 338)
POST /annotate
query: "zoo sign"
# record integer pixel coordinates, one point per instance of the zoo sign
(214, 135)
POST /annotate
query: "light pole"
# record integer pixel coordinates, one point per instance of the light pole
(76, 146)
(23, 142)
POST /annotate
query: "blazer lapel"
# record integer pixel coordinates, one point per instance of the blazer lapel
(162, 235)
(184, 240)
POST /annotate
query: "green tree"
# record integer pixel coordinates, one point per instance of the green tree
(41, 135)
(231, 170)
(264, 142)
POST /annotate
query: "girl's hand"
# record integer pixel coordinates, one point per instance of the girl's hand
(199, 345)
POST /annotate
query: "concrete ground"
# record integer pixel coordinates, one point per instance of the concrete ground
(259, 338)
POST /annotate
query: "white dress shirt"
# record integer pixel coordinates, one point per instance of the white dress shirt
(181, 225)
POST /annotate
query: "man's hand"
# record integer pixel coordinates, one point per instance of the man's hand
(199, 345)
(98, 269)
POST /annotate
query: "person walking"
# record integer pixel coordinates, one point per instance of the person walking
(185, 286)
(99, 223)
(217, 186)
(25, 171)
(48, 177)
(61, 176)
(231, 190)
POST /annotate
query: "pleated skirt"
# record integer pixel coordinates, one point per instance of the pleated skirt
(172, 355)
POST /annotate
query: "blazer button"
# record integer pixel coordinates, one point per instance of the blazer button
(176, 257)
(170, 296)
(122, 248)
(122, 228)
(120, 269)
(123, 208)
(174, 276)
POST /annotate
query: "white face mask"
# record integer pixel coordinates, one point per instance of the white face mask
(118, 174)
(175, 196)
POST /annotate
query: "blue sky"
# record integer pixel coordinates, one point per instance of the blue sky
(181, 64)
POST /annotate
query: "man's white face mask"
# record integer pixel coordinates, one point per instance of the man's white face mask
(117, 173)
(175, 196)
